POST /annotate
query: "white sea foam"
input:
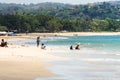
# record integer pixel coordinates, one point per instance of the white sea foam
(56, 38)
(85, 64)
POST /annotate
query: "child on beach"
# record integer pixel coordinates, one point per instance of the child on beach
(43, 46)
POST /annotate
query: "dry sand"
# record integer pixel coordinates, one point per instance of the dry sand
(25, 63)
(74, 34)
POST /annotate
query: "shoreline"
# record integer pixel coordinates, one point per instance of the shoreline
(29, 62)
(23, 36)
(74, 34)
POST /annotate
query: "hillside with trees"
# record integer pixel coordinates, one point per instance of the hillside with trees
(55, 17)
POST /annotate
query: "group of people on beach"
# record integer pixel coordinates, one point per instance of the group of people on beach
(3, 43)
(38, 43)
(76, 47)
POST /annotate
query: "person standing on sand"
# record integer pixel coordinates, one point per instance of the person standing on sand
(38, 41)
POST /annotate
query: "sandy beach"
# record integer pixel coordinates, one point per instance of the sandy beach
(25, 63)
(73, 34)
(23, 36)
(18, 62)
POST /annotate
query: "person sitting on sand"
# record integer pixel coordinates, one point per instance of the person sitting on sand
(77, 47)
(3, 43)
(71, 47)
(43, 46)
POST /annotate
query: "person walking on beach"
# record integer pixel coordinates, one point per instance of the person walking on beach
(38, 41)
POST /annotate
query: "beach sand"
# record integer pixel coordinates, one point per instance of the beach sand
(19, 62)
(23, 36)
(25, 63)
(74, 34)
(15, 70)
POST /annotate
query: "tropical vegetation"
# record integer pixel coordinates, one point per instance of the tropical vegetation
(56, 17)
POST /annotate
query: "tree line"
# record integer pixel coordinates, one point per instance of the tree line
(46, 23)
(101, 10)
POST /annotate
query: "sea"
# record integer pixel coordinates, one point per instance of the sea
(97, 59)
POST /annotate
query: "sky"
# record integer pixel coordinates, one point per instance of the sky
(58, 1)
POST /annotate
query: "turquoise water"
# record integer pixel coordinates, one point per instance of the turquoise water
(97, 59)
(110, 43)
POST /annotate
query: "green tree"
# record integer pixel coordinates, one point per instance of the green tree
(54, 25)
(3, 28)
(67, 25)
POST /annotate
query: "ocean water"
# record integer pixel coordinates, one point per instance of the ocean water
(97, 59)
(103, 43)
